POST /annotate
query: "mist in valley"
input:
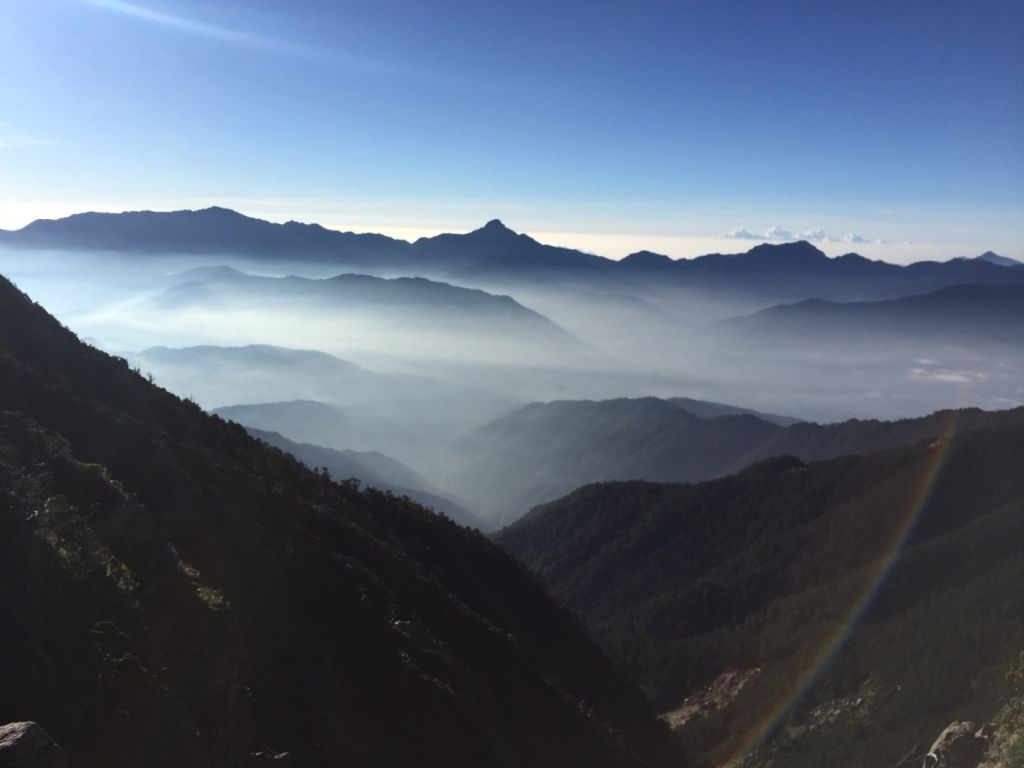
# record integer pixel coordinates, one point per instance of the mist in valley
(418, 367)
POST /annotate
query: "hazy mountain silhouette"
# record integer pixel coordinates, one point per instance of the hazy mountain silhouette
(401, 415)
(496, 255)
(811, 442)
(541, 451)
(1002, 261)
(179, 593)
(706, 409)
(756, 575)
(373, 469)
(425, 301)
(341, 428)
(544, 450)
(210, 230)
(986, 313)
(215, 376)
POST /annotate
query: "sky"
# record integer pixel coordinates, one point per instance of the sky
(895, 129)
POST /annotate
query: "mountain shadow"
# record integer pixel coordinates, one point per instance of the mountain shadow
(177, 593)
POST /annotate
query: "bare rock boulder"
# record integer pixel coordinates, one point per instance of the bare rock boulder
(960, 745)
(28, 745)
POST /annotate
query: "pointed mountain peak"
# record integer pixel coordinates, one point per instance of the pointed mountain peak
(494, 229)
(995, 258)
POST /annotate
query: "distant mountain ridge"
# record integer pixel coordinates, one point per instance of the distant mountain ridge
(496, 253)
(209, 230)
(543, 450)
(986, 312)
(539, 452)
(372, 469)
(1002, 261)
(444, 302)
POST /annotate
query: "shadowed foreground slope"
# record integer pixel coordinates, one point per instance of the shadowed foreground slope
(757, 578)
(176, 593)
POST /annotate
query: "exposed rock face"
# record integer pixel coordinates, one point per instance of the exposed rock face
(718, 695)
(960, 745)
(28, 745)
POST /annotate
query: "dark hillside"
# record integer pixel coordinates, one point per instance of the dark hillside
(177, 593)
(811, 442)
(757, 575)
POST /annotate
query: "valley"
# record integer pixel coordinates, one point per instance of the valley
(780, 491)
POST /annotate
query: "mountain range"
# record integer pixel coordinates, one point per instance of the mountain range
(542, 451)
(179, 593)
(985, 313)
(427, 301)
(839, 613)
(496, 255)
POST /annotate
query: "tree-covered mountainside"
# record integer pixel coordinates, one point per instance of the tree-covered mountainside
(730, 599)
(544, 450)
(809, 441)
(176, 593)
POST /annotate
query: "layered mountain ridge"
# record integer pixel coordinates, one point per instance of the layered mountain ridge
(555, 447)
(496, 253)
(178, 593)
(806, 614)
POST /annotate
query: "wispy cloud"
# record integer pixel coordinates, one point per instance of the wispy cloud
(742, 233)
(947, 376)
(238, 36)
(813, 234)
(780, 233)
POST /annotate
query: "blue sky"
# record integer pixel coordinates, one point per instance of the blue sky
(611, 126)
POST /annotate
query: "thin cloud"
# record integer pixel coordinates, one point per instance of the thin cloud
(814, 234)
(742, 233)
(236, 36)
(778, 233)
(781, 233)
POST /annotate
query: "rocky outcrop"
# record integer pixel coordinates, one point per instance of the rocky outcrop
(960, 745)
(716, 696)
(28, 745)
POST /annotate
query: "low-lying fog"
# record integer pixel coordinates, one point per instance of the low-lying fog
(409, 367)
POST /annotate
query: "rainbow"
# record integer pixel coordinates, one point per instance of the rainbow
(758, 733)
